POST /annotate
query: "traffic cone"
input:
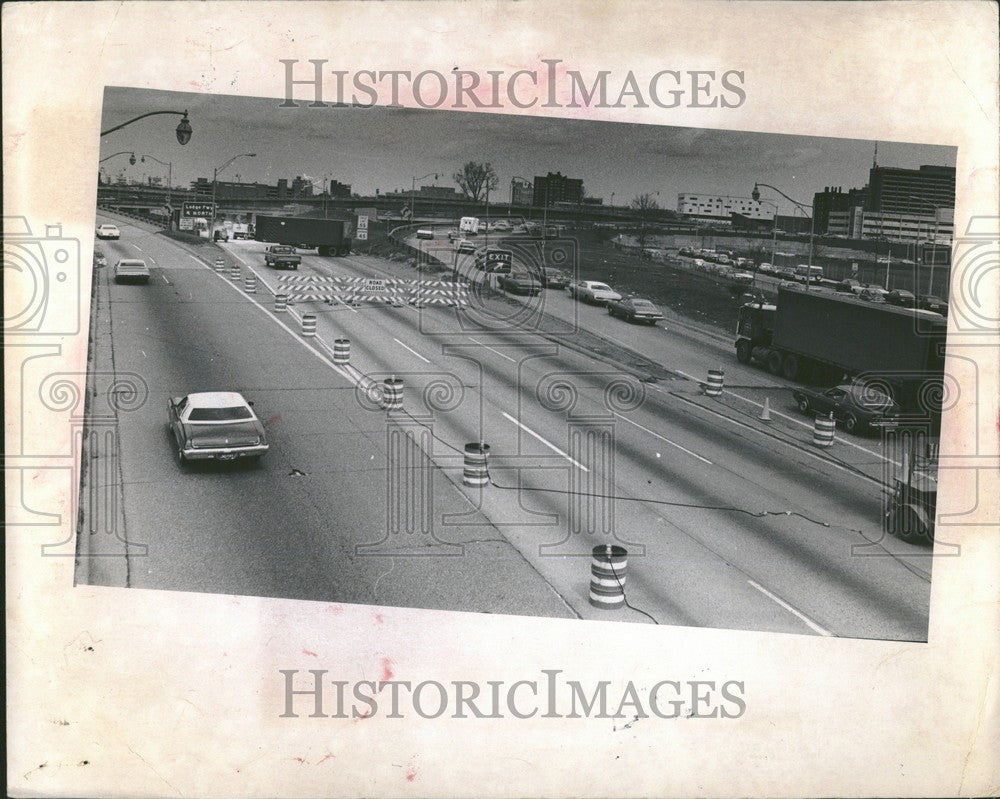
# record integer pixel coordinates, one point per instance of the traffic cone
(765, 412)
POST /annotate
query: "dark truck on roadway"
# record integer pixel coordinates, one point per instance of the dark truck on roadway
(327, 236)
(822, 337)
(825, 337)
(282, 256)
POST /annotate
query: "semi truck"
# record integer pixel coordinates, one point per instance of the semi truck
(824, 337)
(327, 236)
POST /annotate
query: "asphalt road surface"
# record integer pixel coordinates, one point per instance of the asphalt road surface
(730, 521)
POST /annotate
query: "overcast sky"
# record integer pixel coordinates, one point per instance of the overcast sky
(384, 148)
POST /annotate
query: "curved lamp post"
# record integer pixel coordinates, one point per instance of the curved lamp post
(930, 285)
(183, 130)
(170, 173)
(755, 194)
(215, 181)
(413, 189)
(513, 180)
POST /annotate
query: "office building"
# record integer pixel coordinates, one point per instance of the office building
(556, 188)
(720, 208)
(910, 191)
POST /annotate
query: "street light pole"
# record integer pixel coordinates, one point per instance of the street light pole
(215, 181)
(755, 194)
(930, 285)
(170, 175)
(413, 190)
(183, 130)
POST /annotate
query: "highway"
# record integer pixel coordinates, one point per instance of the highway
(730, 522)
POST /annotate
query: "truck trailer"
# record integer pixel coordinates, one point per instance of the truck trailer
(327, 236)
(824, 337)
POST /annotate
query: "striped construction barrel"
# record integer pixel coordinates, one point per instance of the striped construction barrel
(476, 472)
(234, 273)
(342, 350)
(220, 265)
(823, 430)
(280, 303)
(713, 388)
(392, 393)
(250, 283)
(607, 576)
(309, 325)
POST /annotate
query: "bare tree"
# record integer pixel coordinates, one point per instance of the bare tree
(643, 203)
(476, 179)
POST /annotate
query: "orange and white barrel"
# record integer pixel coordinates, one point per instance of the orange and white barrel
(713, 388)
(476, 468)
(823, 430)
(280, 303)
(250, 283)
(309, 325)
(342, 350)
(220, 265)
(234, 273)
(392, 393)
(608, 569)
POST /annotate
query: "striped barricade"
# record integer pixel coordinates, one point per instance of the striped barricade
(607, 577)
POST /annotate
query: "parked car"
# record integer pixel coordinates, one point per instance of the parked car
(131, 270)
(554, 278)
(635, 309)
(686, 251)
(902, 298)
(282, 256)
(521, 282)
(932, 303)
(593, 291)
(742, 278)
(766, 268)
(465, 246)
(215, 425)
(108, 232)
(872, 294)
(425, 233)
(848, 286)
(699, 262)
(857, 406)
(785, 273)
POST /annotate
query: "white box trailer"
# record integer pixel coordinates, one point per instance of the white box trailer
(469, 225)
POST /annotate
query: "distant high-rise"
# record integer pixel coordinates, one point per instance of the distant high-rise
(556, 188)
(910, 191)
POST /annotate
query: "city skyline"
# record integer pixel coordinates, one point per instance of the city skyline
(385, 148)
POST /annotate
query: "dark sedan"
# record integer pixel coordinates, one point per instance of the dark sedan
(856, 407)
(902, 298)
(215, 425)
(635, 309)
(932, 303)
(520, 283)
(554, 278)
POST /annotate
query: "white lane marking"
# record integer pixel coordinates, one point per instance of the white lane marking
(401, 344)
(857, 473)
(497, 352)
(164, 278)
(840, 439)
(809, 622)
(143, 353)
(667, 440)
(550, 445)
(136, 246)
